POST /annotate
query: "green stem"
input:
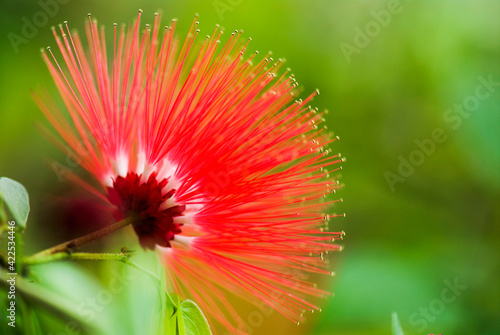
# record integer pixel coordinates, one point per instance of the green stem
(76, 256)
(75, 243)
(85, 256)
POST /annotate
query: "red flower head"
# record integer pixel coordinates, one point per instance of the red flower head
(225, 176)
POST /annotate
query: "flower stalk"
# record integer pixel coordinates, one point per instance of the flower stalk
(77, 256)
(63, 250)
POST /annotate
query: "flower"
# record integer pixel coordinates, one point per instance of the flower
(225, 174)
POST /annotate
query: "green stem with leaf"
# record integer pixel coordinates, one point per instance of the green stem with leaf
(66, 247)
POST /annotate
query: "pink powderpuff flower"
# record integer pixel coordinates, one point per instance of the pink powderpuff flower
(225, 174)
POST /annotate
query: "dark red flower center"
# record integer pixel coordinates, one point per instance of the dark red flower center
(154, 226)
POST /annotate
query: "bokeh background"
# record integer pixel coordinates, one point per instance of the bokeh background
(389, 81)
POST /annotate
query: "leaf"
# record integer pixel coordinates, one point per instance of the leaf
(181, 317)
(172, 313)
(15, 196)
(396, 326)
(50, 302)
(193, 320)
(170, 308)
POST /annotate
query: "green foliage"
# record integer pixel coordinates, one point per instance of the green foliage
(195, 322)
(50, 304)
(15, 197)
(187, 317)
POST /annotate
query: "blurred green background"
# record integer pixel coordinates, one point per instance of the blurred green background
(390, 73)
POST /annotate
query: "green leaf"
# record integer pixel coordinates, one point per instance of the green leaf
(193, 320)
(170, 326)
(172, 312)
(50, 302)
(170, 308)
(181, 317)
(15, 196)
(396, 326)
